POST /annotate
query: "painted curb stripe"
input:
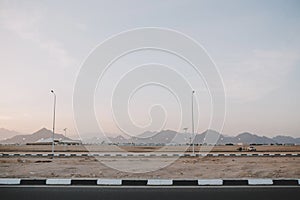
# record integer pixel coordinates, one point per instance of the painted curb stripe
(160, 182)
(10, 181)
(210, 182)
(134, 182)
(109, 182)
(33, 182)
(185, 182)
(235, 182)
(260, 181)
(83, 182)
(58, 182)
(285, 182)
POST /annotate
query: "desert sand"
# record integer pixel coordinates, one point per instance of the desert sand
(183, 168)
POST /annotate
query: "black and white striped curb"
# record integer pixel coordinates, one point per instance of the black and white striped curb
(153, 182)
(147, 155)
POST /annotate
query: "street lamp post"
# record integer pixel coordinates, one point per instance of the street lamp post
(53, 127)
(193, 131)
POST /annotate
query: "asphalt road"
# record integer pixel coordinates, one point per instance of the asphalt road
(144, 192)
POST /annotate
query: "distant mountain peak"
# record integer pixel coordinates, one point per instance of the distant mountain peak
(245, 133)
(43, 130)
(43, 133)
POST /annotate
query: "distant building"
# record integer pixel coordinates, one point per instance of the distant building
(48, 141)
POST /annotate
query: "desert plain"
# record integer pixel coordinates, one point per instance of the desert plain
(139, 167)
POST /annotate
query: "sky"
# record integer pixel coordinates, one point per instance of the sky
(254, 44)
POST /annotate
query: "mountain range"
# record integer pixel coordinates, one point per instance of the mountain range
(36, 136)
(162, 137)
(209, 137)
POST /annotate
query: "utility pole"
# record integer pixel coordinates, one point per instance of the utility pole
(53, 127)
(193, 131)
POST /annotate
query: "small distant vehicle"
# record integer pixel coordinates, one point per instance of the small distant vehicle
(240, 149)
(251, 148)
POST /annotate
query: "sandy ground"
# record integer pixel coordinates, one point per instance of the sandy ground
(183, 168)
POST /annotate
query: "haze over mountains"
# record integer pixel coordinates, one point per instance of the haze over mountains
(5, 133)
(162, 137)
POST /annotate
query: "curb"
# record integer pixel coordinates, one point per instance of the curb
(148, 155)
(152, 182)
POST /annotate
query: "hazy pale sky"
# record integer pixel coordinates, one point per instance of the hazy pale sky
(255, 45)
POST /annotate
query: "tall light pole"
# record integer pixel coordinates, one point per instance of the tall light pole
(53, 127)
(193, 131)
